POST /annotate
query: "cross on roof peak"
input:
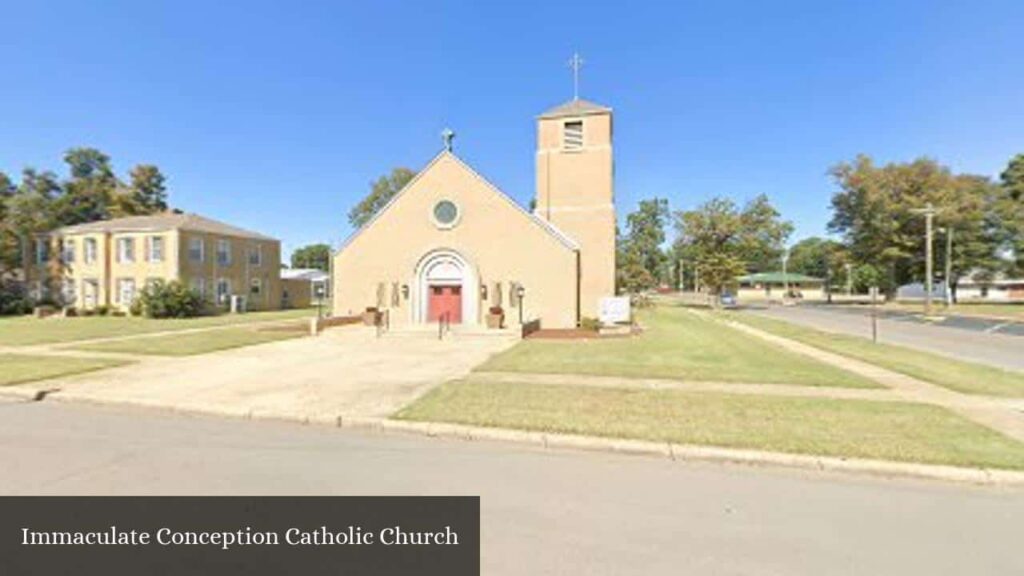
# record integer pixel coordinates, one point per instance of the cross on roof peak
(576, 62)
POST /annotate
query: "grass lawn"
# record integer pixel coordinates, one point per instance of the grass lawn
(19, 368)
(26, 330)
(680, 345)
(956, 375)
(196, 342)
(846, 428)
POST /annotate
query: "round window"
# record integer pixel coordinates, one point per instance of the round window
(446, 213)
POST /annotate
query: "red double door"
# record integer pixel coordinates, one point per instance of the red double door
(445, 300)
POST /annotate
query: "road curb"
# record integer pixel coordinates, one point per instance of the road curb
(687, 452)
(558, 441)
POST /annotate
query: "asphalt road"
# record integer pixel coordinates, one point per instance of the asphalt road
(543, 512)
(999, 349)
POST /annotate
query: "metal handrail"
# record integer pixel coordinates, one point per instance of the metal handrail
(383, 323)
(444, 324)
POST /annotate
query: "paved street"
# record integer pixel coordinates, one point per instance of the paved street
(543, 512)
(996, 349)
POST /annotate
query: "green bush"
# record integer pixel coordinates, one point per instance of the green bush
(13, 299)
(168, 300)
(592, 324)
(102, 310)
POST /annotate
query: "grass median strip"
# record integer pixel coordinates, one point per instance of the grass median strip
(27, 330)
(195, 342)
(958, 375)
(678, 345)
(826, 427)
(21, 368)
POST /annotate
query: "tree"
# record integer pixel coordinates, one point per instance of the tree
(1008, 217)
(722, 240)
(28, 210)
(312, 256)
(89, 192)
(641, 261)
(148, 189)
(381, 192)
(874, 211)
(818, 257)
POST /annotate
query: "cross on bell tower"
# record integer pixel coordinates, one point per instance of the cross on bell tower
(576, 63)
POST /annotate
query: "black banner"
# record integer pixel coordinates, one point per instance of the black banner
(256, 536)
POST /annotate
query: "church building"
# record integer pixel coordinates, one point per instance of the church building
(451, 246)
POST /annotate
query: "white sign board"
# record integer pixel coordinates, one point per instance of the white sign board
(614, 309)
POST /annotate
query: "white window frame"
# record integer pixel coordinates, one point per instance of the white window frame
(123, 254)
(256, 284)
(89, 248)
(69, 291)
(198, 284)
(120, 294)
(223, 249)
(67, 252)
(224, 297)
(193, 242)
(42, 251)
(153, 241)
(257, 251)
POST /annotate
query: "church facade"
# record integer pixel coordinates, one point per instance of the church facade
(450, 246)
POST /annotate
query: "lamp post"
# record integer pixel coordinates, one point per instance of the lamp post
(785, 277)
(849, 278)
(521, 295)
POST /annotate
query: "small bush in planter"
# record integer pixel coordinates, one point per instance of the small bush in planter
(592, 324)
(495, 317)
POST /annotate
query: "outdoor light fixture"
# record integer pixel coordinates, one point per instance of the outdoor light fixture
(483, 292)
(521, 294)
(405, 291)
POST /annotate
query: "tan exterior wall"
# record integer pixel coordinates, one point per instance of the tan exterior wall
(297, 293)
(498, 241)
(106, 271)
(237, 271)
(575, 192)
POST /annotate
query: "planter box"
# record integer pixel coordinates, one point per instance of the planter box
(495, 321)
(371, 317)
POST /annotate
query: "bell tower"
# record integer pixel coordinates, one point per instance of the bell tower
(575, 190)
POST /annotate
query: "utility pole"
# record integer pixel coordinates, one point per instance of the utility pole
(849, 278)
(682, 278)
(929, 212)
(949, 266)
(785, 277)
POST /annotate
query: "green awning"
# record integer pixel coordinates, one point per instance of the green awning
(778, 278)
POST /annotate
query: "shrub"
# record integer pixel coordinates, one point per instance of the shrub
(592, 324)
(168, 300)
(13, 299)
(102, 310)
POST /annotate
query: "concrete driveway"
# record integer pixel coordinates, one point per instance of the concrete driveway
(344, 372)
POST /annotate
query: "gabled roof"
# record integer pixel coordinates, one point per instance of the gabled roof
(575, 108)
(314, 274)
(163, 222)
(777, 278)
(548, 227)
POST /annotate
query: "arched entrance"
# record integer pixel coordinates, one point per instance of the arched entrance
(445, 286)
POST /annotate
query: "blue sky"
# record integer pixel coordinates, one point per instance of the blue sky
(275, 116)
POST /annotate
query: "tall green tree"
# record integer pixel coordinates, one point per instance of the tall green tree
(312, 256)
(641, 261)
(381, 192)
(874, 210)
(90, 191)
(1009, 213)
(818, 257)
(148, 189)
(723, 241)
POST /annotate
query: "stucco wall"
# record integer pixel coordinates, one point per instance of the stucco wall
(501, 243)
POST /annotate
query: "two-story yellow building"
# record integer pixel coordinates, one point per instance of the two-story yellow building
(106, 263)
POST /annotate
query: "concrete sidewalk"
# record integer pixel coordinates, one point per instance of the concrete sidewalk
(345, 371)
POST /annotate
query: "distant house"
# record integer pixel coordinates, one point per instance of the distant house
(975, 286)
(773, 285)
(303, 287)
(107, 263)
